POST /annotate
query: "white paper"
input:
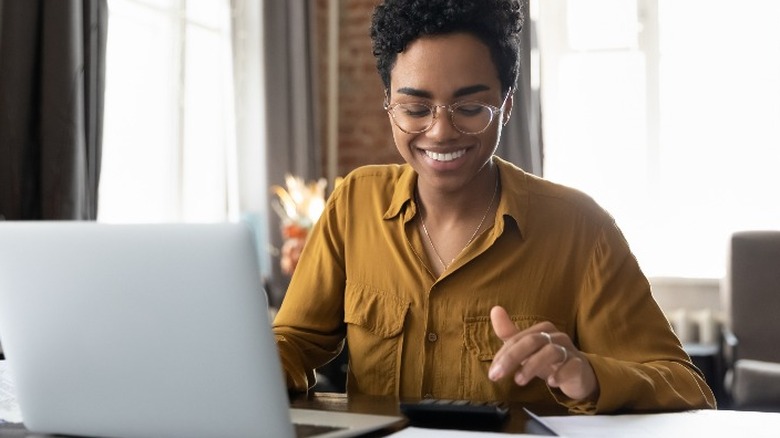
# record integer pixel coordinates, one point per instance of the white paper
(9, 408)
(700, 423)
(418, 432)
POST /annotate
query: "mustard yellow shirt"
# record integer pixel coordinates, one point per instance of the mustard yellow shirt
(551, 254)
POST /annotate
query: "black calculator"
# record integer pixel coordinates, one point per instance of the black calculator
(455, 414)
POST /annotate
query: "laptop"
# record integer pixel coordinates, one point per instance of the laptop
(154, 330)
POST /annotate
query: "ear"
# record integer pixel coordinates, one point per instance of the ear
(387, 97)
(508, 108)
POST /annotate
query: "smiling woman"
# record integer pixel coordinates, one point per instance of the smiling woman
(457, 275)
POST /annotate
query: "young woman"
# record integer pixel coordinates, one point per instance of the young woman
(457, 275)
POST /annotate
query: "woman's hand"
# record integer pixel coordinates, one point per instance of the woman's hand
(544, 352)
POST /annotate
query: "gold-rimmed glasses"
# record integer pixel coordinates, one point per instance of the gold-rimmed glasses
(469, 117)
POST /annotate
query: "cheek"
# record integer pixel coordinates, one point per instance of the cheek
(491, 139)
(402, 140)
(397, 134)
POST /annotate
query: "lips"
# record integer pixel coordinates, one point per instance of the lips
(449, 156)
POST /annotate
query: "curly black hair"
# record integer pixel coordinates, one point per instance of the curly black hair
(497, 23)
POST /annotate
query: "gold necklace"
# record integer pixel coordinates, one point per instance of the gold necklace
(482, 221)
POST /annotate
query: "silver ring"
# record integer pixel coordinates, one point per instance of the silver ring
(547, 336)
(565, 354)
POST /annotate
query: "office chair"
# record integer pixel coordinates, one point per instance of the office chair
(752, 331)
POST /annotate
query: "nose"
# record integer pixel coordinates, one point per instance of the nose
(442, 128)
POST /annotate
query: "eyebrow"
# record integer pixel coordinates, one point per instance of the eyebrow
(465, 91)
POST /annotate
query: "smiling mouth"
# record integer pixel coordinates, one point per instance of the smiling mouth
(449, 156)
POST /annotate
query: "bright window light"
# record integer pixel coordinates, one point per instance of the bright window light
(677, 135)
(169, 124)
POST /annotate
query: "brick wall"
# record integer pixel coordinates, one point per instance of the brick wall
(364, 135)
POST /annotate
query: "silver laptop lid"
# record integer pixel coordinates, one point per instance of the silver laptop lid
(139, 330)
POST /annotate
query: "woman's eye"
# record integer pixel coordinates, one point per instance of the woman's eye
(469, 110)
(415, 110)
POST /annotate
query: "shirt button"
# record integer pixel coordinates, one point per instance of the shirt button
(433, 337)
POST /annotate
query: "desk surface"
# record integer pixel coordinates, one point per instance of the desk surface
(692, 423)
(518, 420)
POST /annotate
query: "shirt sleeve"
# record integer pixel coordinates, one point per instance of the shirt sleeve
(638, 360)
(309, 327)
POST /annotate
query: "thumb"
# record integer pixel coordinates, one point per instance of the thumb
(502, 324)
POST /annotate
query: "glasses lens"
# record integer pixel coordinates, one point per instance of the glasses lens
(471, 117)
(412, 117)
(467, 117)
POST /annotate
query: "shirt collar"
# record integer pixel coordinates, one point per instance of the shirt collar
(514, 200)
(403, 194)
(514, 193)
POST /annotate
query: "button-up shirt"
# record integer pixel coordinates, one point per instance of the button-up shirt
(550, 254)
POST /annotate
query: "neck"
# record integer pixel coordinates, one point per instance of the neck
(446, 233)
(447, 206)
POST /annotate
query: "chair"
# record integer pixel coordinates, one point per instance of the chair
(752, 331)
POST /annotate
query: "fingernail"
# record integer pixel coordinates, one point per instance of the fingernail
(520, 379)
(496, 372)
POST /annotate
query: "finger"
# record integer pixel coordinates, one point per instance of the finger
(543, 363)
(502, 323)
(518, 346)
(516, 351)
(557, 368)
(532, 338)
(550, 354)
(506, 330)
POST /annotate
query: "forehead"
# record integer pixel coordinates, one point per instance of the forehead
(444, 63)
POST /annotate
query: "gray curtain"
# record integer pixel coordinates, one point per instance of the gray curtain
(292, 124)
(522, 137)
(52, 74)
(293, 144)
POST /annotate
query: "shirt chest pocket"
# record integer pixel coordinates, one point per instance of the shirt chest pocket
(481, 345)
(375, 322)
(480, 339)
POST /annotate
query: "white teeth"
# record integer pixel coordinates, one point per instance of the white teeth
(445, 157)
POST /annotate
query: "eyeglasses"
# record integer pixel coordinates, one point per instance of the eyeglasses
(467, 117)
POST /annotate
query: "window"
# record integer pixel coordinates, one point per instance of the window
(169, 130)
(666, 112)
